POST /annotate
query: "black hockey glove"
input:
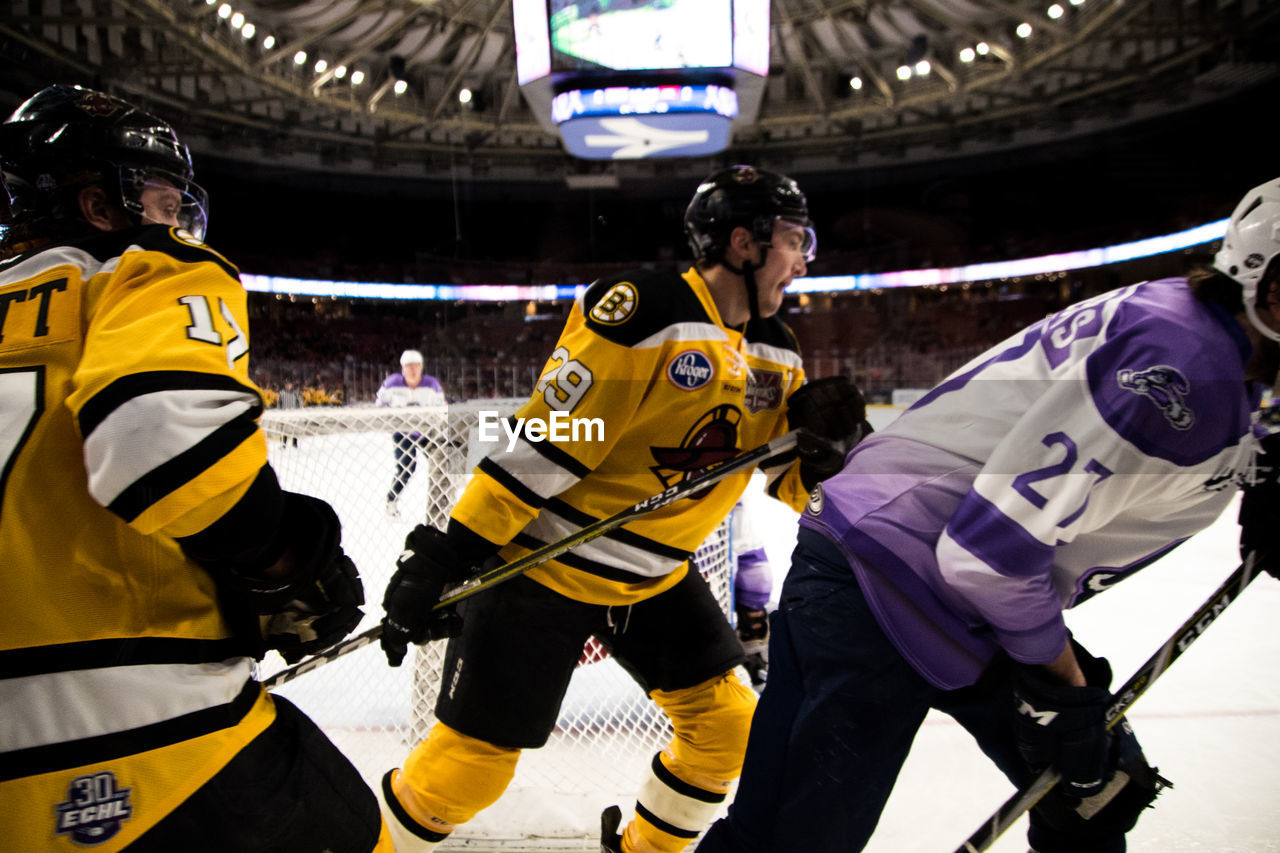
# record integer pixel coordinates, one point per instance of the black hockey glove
(1065, 727)
(1260, 508)
(753, 633)
(426, 566)
(1059, 822)
(320, 604)
(833, 411)
(283, 580)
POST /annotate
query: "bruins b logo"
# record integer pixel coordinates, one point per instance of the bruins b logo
(616, 305)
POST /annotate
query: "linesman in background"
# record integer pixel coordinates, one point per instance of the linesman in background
(933, 571)
(685, 371)
(148, 552)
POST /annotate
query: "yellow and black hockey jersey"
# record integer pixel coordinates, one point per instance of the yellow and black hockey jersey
(127, 418)
(646, 386)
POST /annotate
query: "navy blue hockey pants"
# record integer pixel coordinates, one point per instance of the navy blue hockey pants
(837, 718)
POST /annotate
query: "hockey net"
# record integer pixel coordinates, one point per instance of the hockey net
(608, 730)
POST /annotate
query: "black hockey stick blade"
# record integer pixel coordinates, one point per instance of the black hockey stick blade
(1121, 701)
(743, 461)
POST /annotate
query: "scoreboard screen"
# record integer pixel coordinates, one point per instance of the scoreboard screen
(620, 79)
(638, 35)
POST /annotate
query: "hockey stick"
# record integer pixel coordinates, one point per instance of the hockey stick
(743, 461)
(1121, 701)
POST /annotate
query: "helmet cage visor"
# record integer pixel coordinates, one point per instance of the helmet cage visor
(164, 197)
(808, 247)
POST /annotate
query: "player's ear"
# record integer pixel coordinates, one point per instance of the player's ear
(741, 241)
(98, 211)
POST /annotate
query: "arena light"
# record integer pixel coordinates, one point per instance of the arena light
(357, 77)
(968, 55)
(340, 72)
(982, 48)
(1084, 259)
(904, 72)
(224, 11)
(855, 83)
(321, 66)
(401, 87)
(923, 68)
(1055, 11)
(464, 96)
(237, 20)
(443, 292)
(248, 30)
(300, 58)
(268, 42)
(1041, 265)
(1023, 30)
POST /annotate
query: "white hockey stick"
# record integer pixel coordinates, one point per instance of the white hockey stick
(1123, 699)
(743, 461)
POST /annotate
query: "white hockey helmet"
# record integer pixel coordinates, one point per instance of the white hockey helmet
(1251, 245)
(410, 356)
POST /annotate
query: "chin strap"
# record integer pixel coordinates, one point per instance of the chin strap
(748, 273)
(753, 296)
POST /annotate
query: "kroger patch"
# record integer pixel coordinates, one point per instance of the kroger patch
(690, 370)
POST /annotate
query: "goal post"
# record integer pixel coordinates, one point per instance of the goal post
(608, 730)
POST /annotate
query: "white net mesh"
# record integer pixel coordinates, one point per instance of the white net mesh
(608, 729)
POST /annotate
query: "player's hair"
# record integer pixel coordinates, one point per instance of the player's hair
(1216, 288)
(66, 138)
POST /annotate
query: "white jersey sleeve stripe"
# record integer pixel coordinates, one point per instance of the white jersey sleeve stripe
(117, 454)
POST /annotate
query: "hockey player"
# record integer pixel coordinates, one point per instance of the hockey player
(149, 553)
(933, 571)
(682, 371)
(409, 387)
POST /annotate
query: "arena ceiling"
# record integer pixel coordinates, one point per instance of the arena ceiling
(1098, 63)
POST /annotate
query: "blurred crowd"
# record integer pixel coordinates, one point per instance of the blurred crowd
(337, 351)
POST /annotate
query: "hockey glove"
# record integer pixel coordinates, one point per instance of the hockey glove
(1061, 823)
(427, 564)
(321, 602)
(1064, 726)
(1260, 507)
(753, 633)
(283, 580)
(834, 412)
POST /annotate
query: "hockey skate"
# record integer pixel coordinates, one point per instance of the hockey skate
(610, 840)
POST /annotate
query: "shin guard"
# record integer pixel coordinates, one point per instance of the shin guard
(446, 780)
(689, 780)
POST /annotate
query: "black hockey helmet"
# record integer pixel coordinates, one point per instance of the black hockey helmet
(65, 138)
(744, 196)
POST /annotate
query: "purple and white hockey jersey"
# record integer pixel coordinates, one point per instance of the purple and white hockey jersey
(395, 392)
(1044, 471)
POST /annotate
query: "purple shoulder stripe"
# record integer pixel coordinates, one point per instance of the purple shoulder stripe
(983, 530)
